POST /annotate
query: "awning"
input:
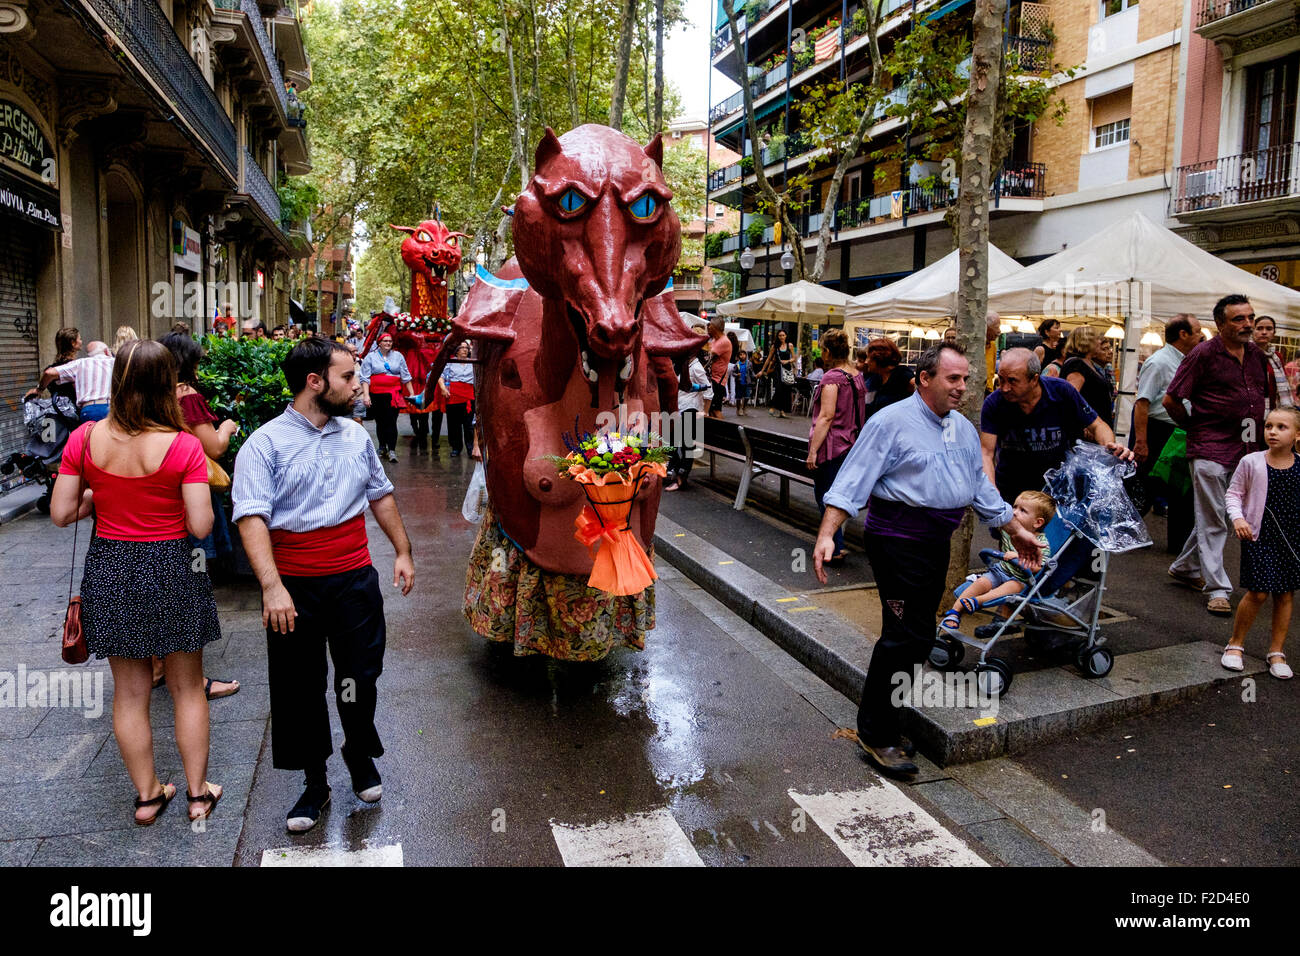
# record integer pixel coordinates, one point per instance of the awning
(297, 314)
(948, 7)
(759, 113)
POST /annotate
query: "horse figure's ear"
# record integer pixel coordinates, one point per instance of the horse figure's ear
(547, 149)
(409, 230)
(655, 149)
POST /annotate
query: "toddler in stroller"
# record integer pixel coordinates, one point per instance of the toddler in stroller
(1033, 509)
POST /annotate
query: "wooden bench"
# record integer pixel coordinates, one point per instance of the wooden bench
(761, 452)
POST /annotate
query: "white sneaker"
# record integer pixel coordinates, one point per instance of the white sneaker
(392, 456)
(1278, 666)
(1231, 661)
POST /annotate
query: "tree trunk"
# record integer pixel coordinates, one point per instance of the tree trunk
(973, 225)
(517, 120)
(659, 68)
(779, 203)
(622, 63)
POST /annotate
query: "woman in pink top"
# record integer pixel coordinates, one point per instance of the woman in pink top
(145, 479)
(839, 409)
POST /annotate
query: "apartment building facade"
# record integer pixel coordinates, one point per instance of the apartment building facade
(693, 280)
(142, 145)
(1236, 187)
(1113, 153)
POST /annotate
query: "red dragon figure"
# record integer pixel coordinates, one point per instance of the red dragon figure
(432, 253)
(581, 322)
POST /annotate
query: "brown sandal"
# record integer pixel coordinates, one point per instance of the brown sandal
(209, 798)
(163, 798)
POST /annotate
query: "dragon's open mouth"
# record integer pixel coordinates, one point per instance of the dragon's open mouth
(589, 362)
(436, 268)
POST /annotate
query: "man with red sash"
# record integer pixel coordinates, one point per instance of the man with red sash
(301, 485)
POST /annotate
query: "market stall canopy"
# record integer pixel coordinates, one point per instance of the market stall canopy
(927, 295)
(797, 302)
(1138, 268)
(742, 335)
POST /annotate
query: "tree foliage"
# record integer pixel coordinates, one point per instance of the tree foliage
(418, 105)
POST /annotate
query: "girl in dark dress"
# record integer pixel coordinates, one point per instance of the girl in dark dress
(1264, 504)
(1085, 351)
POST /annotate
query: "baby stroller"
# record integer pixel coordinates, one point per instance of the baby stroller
(49, 423)
(1094, 520)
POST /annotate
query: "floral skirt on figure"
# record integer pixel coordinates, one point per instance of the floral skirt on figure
(545, 612)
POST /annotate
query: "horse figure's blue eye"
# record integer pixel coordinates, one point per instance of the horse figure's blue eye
(644, 207)
(572, 201)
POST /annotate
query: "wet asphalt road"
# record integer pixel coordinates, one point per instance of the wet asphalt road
(486, 751)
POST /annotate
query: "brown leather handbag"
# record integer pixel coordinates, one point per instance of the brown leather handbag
(74, 641)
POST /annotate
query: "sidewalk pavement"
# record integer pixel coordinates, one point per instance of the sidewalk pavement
(56, 762)
(758, 562)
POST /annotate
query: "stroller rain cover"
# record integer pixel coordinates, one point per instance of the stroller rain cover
(1090, 498)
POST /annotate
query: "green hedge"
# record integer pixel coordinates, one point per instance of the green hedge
(242, 379)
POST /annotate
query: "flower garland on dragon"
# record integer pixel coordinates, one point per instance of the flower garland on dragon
(577, 331)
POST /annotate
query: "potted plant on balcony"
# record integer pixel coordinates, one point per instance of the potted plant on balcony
(746, 165)
(713, 243)
(754, 233)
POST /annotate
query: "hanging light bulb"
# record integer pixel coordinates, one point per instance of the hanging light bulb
(1115, 332)
(1149, 337)
(932, 335)
(1026, 327)
(917, 332)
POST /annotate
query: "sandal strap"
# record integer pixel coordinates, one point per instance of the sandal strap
(208, 797)
(1272, 654)
(1234, 647)
(161, 798)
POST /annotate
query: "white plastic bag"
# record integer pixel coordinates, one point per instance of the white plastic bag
(476, 498)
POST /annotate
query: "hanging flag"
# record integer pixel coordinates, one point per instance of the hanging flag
(825, 47)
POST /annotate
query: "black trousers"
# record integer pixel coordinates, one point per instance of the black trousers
(420, 429)
(385, 415)
(910, 577)
(345, 611)
(460, 426)
(680, 461)
(1181, 517)
(823, 478)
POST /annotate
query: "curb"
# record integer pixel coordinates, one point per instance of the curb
(1051, 703)
(20, 501)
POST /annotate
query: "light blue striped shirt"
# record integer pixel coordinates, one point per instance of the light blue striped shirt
(458, 372)
(302, 478)
(374, 364)
(907, 453)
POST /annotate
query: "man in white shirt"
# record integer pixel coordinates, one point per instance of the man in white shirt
(93, 378)
(1152, 425)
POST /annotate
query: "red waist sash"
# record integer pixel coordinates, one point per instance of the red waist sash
(313, 554)
(461, 393)
(388, 385)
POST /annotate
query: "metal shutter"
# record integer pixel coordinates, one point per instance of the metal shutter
(19, 364)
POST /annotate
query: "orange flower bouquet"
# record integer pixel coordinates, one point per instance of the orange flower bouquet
(612, 470)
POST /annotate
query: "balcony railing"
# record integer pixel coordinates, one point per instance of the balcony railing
(1035, 53)
(731, 244)
(250, 9)
(732, 103)
(255, 184)
(720, 177)
(1271, 173)
(145, 33)
(1026, 182)
(1211, 10)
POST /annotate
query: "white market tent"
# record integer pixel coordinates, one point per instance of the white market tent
(1138, 269)
(800, 301)
(1136, 272)
(924, 296)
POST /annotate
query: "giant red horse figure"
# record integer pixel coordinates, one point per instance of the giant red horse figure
(432, 253)
(580, 323)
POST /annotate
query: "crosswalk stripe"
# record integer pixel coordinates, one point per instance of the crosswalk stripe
(639, 839)
(881, 826)
(390, 855)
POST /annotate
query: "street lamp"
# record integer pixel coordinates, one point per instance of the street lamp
(320, 277)
(787, 266)
(746, 264)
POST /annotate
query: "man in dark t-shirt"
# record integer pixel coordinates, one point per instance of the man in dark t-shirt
(1029, 424)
